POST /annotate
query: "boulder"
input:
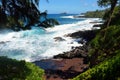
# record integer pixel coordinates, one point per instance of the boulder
(77, 52)
(87, 35)
(3, 42)
(59, 39)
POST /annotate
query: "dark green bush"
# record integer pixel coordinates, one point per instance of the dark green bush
(115, 17)
(11, 69)
(104, 56)
(95, 14)
(107, 70)
(105, 44)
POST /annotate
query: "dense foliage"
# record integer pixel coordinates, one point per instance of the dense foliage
(22, 14)
(105, 47)
(11, 69)
(105, 44)
(105, 53)
(112, 4)
(104, 56)
(116, 16)
(107, 70)
(95, 14)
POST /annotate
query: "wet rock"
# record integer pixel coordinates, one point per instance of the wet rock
(85, 35)
(97, 25)
(77, 52)
(3, 42)
(81, 41)
(59, 39)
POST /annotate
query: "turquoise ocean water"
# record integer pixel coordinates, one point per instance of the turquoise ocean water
(37, 43)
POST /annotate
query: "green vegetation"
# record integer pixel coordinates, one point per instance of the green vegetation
(11, 69)
(106, 42)
(22, 14)
(104, 56)
(115, 17)
(107, 70)
(112, 4)
(105, 47)
(95, 14)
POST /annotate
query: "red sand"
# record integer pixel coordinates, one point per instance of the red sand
(66, 69)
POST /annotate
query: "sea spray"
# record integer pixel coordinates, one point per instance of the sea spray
(36, 44)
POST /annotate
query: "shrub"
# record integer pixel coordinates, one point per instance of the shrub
(11, 69)
(105, 44)
(107, 70)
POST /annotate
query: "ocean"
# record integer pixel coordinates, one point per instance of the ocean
(37, 43)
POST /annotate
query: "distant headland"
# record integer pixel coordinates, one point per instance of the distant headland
(64, 13)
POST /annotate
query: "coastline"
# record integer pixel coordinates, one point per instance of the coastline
(75, 40)
(69, 64)
(42, 44)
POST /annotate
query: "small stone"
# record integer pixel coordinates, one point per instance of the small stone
(59, 39)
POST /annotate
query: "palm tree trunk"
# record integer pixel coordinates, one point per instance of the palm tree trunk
(113, 4)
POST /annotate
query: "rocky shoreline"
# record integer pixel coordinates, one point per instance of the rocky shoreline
(62, 69)
(69, 64)
(65, 66)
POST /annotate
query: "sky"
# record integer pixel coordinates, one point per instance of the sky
(69, 6)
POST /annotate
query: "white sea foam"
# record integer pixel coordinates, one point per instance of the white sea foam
(36, 44)
(72, 17)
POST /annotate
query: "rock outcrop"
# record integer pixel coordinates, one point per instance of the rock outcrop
(87, 35)
(77, 52)
(69, 64)
(59, 39)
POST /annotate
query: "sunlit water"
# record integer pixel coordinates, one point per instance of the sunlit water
(36, 44)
